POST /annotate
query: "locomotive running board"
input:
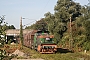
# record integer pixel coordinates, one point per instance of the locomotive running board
(49, 45)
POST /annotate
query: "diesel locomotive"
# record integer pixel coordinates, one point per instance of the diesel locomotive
(41, 41)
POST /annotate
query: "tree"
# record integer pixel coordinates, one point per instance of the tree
(2, 36)
(49, 19)
(58, 21)
(2, 30)
(39, 25)
(11, 27)
(85, 20)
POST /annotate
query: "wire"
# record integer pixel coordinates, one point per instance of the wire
(45, 6)
(30, 22)
(39, 15)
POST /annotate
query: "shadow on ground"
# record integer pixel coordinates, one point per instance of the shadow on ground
(61, 50)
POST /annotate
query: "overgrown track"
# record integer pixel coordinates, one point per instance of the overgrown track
(61, 54)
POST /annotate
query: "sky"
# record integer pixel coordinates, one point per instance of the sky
(31, 10)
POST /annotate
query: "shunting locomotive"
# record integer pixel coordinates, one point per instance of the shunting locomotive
(41, 41)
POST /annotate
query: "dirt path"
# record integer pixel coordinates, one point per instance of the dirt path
(21, 54)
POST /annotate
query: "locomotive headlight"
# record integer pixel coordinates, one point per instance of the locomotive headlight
(42, 46)
(0, 43)
(53, 41)
(53, 47)
(0, 52)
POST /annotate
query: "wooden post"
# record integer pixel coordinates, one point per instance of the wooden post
(70, 39)
(21, 33)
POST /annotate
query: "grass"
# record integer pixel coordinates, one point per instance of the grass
(57, 56)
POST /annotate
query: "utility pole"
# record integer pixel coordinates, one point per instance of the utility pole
(70, 39)
(21, 33)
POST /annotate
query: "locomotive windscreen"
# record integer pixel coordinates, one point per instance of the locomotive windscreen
(42, 31)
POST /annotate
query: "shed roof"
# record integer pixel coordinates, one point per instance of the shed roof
(16, 31)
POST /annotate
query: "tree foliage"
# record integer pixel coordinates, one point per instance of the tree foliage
(39, 25)
(2, 31)
(11, 27)
(60, 23)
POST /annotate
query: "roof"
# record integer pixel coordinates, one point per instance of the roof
(16, 31)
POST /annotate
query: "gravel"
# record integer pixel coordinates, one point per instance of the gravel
(21, 54)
